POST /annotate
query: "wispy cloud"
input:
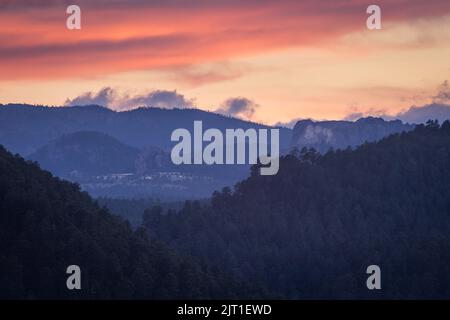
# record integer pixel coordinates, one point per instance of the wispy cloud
(142, 35)
(198, 75)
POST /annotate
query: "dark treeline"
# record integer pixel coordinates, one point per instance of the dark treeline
(312, 230)
(132, 210)
(47, 224)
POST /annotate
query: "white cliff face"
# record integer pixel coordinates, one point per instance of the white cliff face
(317, 134)
(324, 135)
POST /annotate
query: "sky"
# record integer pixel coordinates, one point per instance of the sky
(269, 61)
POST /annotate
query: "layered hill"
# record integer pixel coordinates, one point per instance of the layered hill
(127, 154)
(47, 224)
(106, 167)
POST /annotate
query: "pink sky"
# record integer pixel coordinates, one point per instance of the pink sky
(293, 59)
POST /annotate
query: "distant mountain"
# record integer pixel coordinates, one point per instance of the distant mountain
(47, 224)
(84, 154)
(312, 230)
(323, 135)
(127, 154)
(25, 128)
(106, 167)
(120, 154)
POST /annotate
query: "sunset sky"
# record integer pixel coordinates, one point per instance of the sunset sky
(283, 59)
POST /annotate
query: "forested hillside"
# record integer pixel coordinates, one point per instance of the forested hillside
(312, 230)
(308, 232)
(86, 154)
(47, 224)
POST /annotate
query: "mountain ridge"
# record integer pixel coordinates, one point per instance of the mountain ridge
(138, 127)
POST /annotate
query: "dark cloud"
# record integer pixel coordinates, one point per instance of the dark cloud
(422, 114)
(102, 98)
(161, 43)
(238, 107)
(110, 98)
(161, 99)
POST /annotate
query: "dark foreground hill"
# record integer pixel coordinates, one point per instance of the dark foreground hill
(47, 224)
(312, 230)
